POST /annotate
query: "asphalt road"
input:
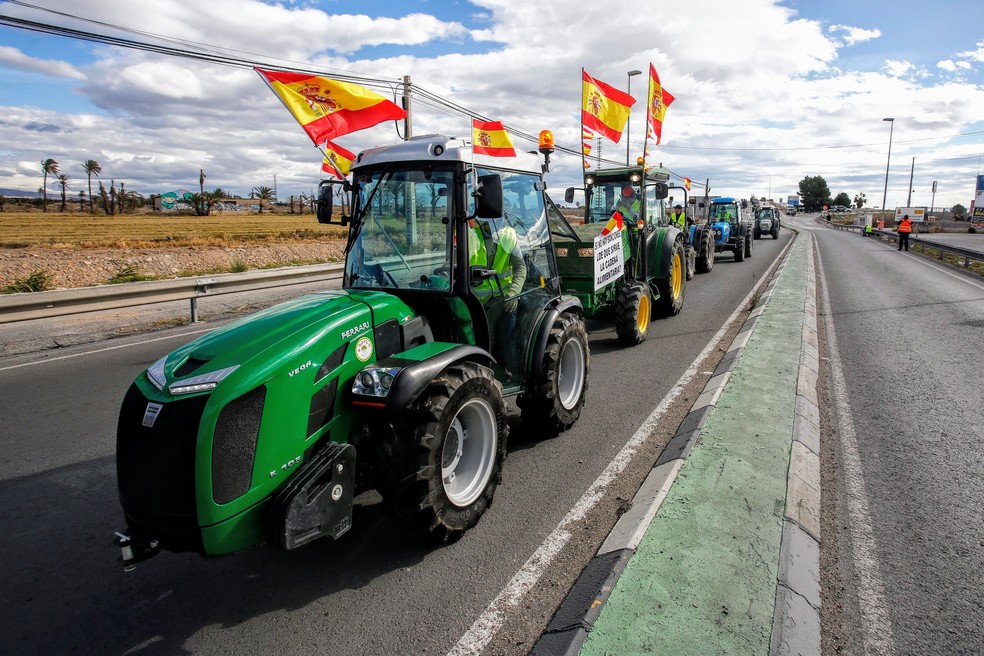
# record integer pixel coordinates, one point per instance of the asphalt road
(374, 591)
(905, 343)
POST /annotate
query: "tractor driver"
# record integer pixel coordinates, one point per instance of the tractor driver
(629, 205)
(678, 217)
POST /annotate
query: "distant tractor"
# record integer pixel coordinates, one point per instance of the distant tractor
(632, 202)
(731, 231)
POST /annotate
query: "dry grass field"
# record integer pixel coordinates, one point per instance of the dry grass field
(41, 250)
(76, 230)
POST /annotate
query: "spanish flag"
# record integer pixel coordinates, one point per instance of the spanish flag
(604, 108)
(686, 183)
(338, 161)
(614, 223)
(328, 108)
(490, 138)
(659, 100)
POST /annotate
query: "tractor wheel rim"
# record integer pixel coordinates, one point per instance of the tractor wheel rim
(468, 455)
(642, 316)
(570, 373)
(676, 276)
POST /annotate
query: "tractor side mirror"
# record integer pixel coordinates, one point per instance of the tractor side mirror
(569, 195)
(324, 202)
(662, 190)
(488, 197)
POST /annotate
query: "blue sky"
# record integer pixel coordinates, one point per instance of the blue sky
(767, 92)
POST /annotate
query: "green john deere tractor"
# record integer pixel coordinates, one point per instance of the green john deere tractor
(653, 256)
(265, 430)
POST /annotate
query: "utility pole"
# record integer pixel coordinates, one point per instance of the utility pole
(932, 203)
(908, 200)
(408, 107)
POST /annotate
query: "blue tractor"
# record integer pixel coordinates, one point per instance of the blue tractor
(731, 231)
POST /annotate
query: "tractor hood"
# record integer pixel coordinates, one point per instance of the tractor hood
(249, 351)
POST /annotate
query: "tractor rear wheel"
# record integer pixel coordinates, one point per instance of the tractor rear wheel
(553, 402)
(671, 288)
(739, 249)
(633, 309)
(705, 255)
(748, 246)
(455, 435)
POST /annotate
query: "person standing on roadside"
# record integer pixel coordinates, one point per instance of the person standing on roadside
(904, 229)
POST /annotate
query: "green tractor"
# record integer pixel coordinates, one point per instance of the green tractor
(265, 430)
(629, 205)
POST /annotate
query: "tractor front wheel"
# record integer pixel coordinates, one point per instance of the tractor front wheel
(748, 247)
(739, 249)
(705, 257)
(633, 309)
(671, 288)
(456, 433)
(553, 402)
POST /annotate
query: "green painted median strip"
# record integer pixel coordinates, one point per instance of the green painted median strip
(703, 580)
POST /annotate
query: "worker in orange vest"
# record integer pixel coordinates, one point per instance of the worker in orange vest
(904, 229)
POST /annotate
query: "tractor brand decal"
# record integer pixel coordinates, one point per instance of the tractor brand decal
(355, 330)
(363, 349)
(287, 466)
(151, 414)
(300, 369)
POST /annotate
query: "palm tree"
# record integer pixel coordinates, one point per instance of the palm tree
(263, 194)
(91, 168)
(63, 181)
(47, 166)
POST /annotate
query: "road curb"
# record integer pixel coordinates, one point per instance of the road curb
(568, 630)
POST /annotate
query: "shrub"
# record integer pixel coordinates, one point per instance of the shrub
(38, 281)
(127, 274)
(972, 230)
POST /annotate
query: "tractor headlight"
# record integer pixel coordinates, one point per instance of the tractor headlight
(374, 381)
(155, 374)
(203, 383)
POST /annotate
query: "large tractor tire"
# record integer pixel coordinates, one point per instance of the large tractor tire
(775, 230)
(739, 249)
(672, 287)
(758, 231)
(553, 402)
(748, 245)
(705, 254)
(633, 310)
(455, 441)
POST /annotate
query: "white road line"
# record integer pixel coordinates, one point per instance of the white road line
(483, 629)
(876, 629)
(102, 350)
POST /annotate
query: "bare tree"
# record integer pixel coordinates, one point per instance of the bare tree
(47, 166)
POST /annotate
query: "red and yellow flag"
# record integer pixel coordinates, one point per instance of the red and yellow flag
(686, 183)
(328, 108)
(604, 108)
(614, 223)
(659, 100)
(337, 161)
(490, 138)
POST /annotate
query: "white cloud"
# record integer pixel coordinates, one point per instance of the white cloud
(946, 65)
(48, 67)
(854, 35)
(746, 79)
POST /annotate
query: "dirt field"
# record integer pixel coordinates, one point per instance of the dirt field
(78, 250)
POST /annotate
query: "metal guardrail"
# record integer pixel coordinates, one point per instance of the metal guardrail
(967, 254)
(60, 302)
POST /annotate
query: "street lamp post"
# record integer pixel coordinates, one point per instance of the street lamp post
(628, 140)
(891, 129)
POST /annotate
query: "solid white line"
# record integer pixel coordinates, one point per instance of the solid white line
(876, 629)
(481, 632)
(102, 350)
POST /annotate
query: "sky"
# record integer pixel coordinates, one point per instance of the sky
(767, 91)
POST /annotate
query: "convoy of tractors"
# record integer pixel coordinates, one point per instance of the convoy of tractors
(464, 285)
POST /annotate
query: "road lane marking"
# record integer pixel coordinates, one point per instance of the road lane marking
(107, 348)
(876, 629)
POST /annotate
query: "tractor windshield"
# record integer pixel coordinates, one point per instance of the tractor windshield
(724, 212)
(401, 229)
